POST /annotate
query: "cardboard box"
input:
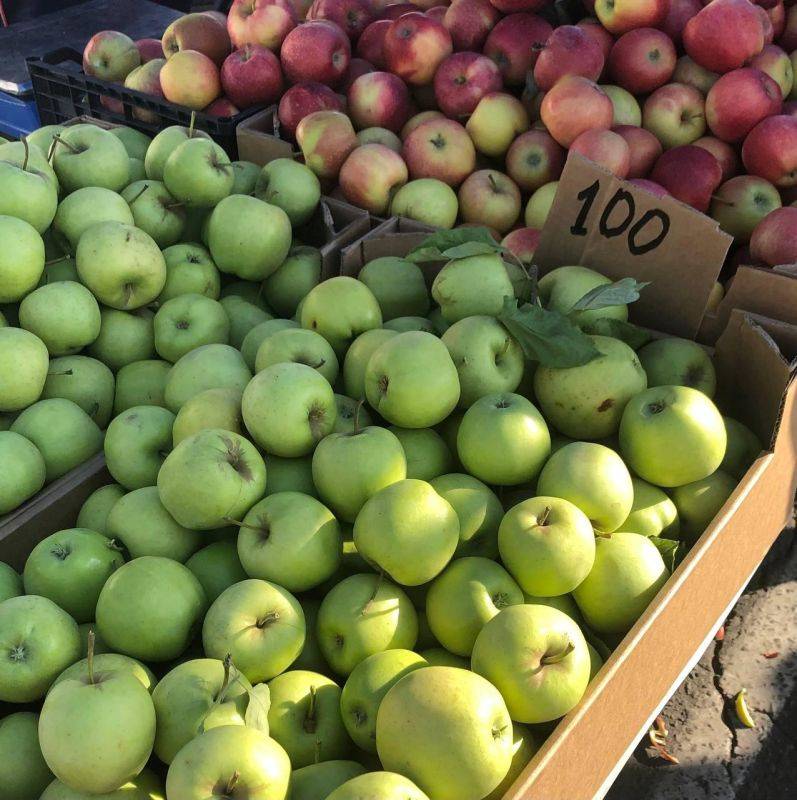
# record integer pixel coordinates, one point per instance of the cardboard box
(259, 140)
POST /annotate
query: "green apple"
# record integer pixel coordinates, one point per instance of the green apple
(440, 657)
(523, 748)
(70, 568)
(122, 265)
(357, 357)
(563, 603)
(626, 107)
(211, 477)
(124, 337)
(230, 760)
(64, 315)
(377, 786)
(96, 733)
(247, 237)
(340, 309)
(362, 615)
(293, 280)
(404, 324)
(365, 688)
(351, 416)
(24, 470)
(261, 625)
(452, 750)
(291, 186)
(426, 200)
(679, 362)
(61, 268)
(290, 475)
(563, 287)
(503, 440)
(699, 502)
(288, 408)
(86, 382)
(257, 335)
(426, 452)
(539, 205)
(141, 523)
(156, 211)
(10, 582)
(136, 143)
(65, 435)
(145, 786)
(22, 259)
(24, 363)
(216, 567)
(24, 774)
(198, 173)
(653, 513)
(196, 226)
(213, 408)
(298, 346)
(251, 291)
(398, 286)
(412, 381)
(189, 321)
(743, 448)
(28, 193)
(586, 402)
(40, 641)
(537, 657)
(141, 383)
(163, 145)
(318, 780)
(627, 574)
(107, 663)
(305, 717)
(464, 597)
(211, 366)
(100, 647)
(244, 316)
(136, 445)
(487, 358)
(310, 658)
(672, 435)
(740, 203)
(189, 270)
(78, 211)
(31, 157)
(150, 609)
(476, 285)
(194, 697)
(85, 155)
(408, 530)
(94, 512)
(245, 175)
(479, 512)
(292, 539)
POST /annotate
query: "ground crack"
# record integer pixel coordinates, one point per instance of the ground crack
(727, 702)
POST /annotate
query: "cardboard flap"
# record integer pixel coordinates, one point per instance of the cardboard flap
(259, 139)
(620, 230)
(393, 237)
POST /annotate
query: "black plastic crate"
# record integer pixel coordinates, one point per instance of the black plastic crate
(63, 91)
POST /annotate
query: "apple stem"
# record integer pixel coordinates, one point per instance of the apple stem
(27, 153)
(310, 722)
(62, 372)
(357, 417)
(176, 204)
(56, 260)
(543, 520)
(226, 681)
(555, 658)
(493, 183)
(719, 199)
(191, 125)
(66, 144)
(238, 524)
(51, 151)
(377, 587)
(90, 656)
(143, 189)
(232, 783)
(317, 751)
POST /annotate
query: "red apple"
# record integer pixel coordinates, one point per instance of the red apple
(621, 16)
(326, 138)
(770, 150)
(766, 25)
(371, 43)
(146, 78)
(303, 99)
(690, 174)
(440, 148)
(396, 10)
(774, 240)
(788, 38)
(149, 49)
(725, 154)
(110, 55)
(724, 35)
(522, 243)
(379, 100)
(197, 32)
(418, 119)
(739, 100)
(462, 80)
(605, 148)
(644, 149)
(437, 13)
(593, 28)
(675, 113)
(218, 16)
(371, 175)
(789, 108)
(777, 17)
(469, 22)
(777, 64)
(221, 107)
(642, 60)
(415, 46)
(263, 22)
(568, 51)
(251, 76)
(575, 105)
(514, 45)
(316, 51)
(490, 198)
(190, 79)
(357, 67)
(679, 13)
(534, 159)
(656, 189)
(512, 6)
(353, 16)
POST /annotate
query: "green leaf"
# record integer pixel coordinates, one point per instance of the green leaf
(257, 709)
(472, 249)
(440, 246)
(547, 336)
(618, 293)
(668, 549)
(634, 336)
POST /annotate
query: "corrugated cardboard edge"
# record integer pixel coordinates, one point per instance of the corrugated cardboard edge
(258, 140)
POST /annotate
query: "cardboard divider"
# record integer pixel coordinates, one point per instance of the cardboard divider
(259, 140)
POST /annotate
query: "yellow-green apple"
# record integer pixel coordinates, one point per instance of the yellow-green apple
(427, 453)
(624, 15)
(462, 80)
(316, 51)
(155, 211)
(398, 286)
(418, 119)
(776, 63)
(496, 122)
(371, 175)
(653, 513)
(190, 79)
(575, 104)
(85, 381)
(357, 357)
(85, 155)
(24, 475)
(299, 346)
(440, 657)
(692, 74)
(379, 99)
(699, 502)
(251, 76)
(94, 512)
(427, 200)
(141, 383)
(680, 362)
(318, 780)
(25, 774)
(569, 50)
(385, 785)
(414, 47)
(110, 55)
(303, 99)
(627, 574)
(162, 146)
(198, 173)
(476, 753)
(605, 148)
(491, 198)
(326, 139)
(379, 136)
(739, 100)
(213, 408)
(592, 477)
(743, 448)
(641, 60)
(371, 44)
(626, 107)
(690, 174)
(290, 284)
(472, 285)
(85, 207)
(260, 22)
(675, 114)
(539, 205)
(362, 615)
(198, 32)
(469, 22)
(523, 748)
(724, 53)
(643, 149)
(508, 45)
(439, 148)
(29, 193)
(533, 159)
(503, 440)
(770, 150)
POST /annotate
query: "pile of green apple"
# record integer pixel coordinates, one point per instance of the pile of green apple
(374, 543)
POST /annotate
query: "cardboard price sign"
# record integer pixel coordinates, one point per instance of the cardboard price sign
(621, 230)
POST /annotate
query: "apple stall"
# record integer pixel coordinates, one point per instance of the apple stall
(384, 388)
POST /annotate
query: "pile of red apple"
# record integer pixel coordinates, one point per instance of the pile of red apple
(465, 112)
